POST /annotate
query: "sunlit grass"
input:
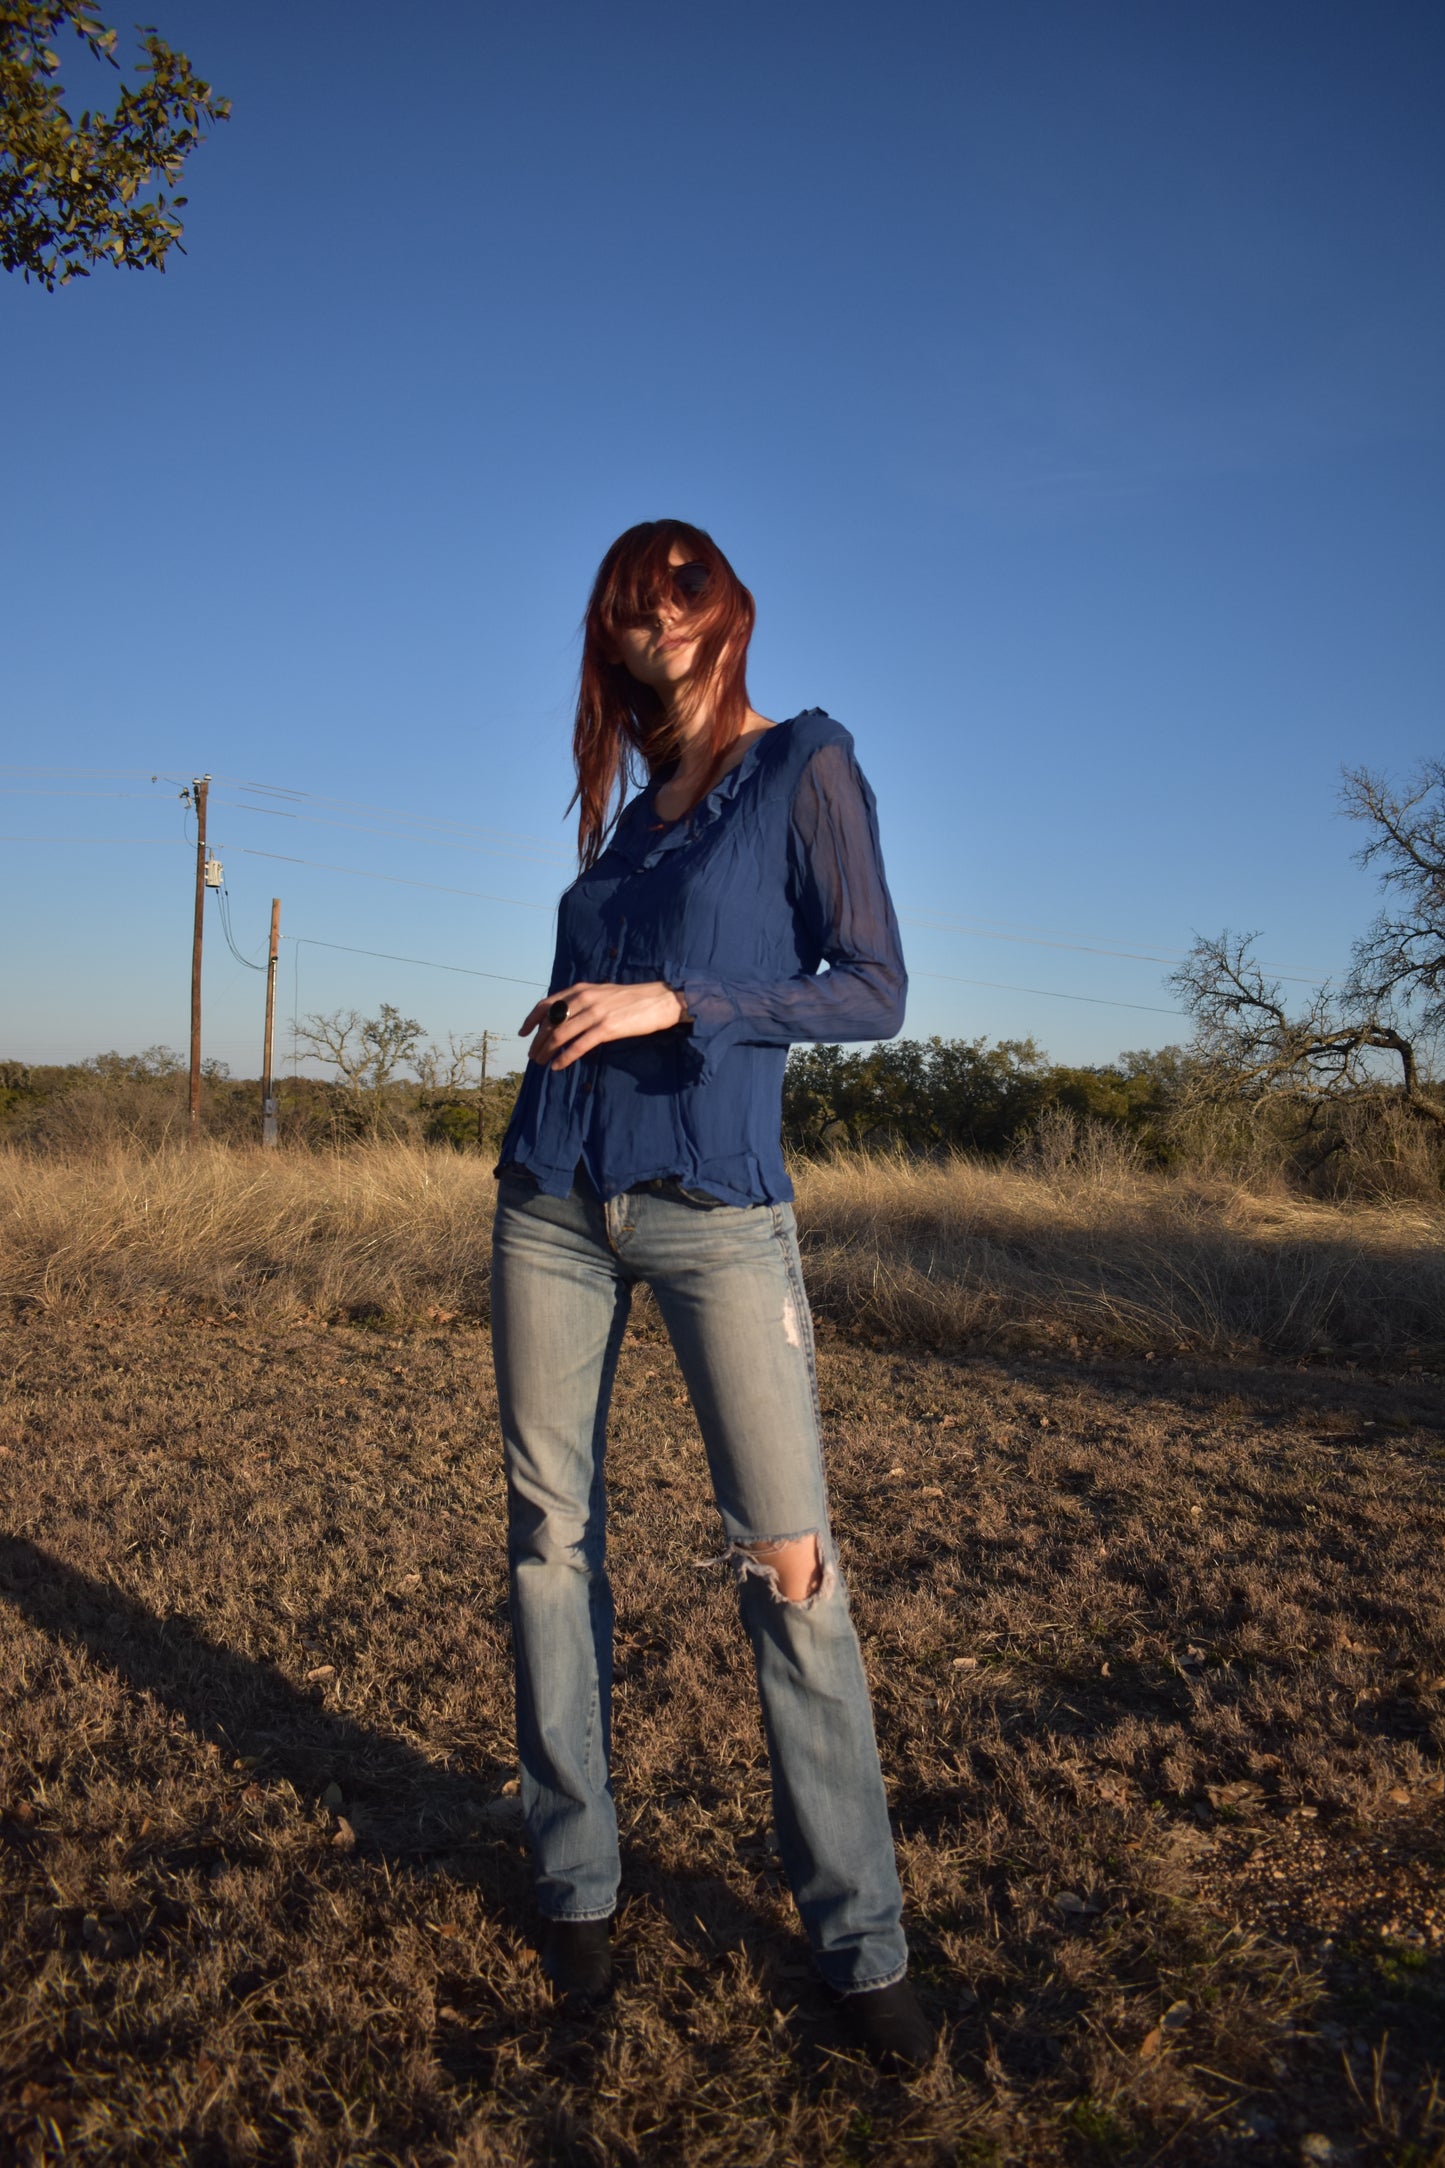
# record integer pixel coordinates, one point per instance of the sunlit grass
(945, 1252)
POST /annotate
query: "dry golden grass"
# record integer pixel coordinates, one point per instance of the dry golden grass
(1099, 1250)
(392, 1227)
(948, 1254)
(1158, 1652)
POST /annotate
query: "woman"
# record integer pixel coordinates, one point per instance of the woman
(645, 1146)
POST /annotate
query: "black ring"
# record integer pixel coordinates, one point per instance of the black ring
(558, 1013)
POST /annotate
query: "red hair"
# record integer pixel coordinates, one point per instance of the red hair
(621, 722)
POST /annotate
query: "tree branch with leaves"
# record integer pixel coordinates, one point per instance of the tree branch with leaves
(70, 191)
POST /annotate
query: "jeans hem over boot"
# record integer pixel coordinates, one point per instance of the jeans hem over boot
(729, 1285)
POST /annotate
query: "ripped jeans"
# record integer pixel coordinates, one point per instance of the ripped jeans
(729, 1286)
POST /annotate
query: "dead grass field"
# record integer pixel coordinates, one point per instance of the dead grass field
(1091, 1252)
(1158, 1652)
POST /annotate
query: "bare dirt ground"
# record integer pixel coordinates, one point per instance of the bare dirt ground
(1158, 1652)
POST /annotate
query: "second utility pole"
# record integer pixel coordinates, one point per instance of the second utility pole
(268, 1085)
(200, 787)
(487, 1038)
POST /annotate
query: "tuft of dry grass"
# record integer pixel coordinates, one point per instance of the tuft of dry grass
(1091, 1249)
(385, 1229)
(1158, 1654)
(1097, 1249)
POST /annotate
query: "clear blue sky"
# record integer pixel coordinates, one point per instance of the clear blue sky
(1064, 378)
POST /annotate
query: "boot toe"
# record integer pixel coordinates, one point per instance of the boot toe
(577, 1959)
(889, 2025)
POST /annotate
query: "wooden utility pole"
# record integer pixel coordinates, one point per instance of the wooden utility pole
(487, 1038)
(200, 789)
(268, 1089)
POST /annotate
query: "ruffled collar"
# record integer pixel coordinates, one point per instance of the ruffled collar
(641, 841)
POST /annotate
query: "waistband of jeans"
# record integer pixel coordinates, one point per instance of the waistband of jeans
(661, 1185)
(668, 1185)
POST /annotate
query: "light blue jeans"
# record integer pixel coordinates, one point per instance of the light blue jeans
(728, 1283)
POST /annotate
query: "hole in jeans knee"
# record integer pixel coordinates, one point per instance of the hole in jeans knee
(795, 1569)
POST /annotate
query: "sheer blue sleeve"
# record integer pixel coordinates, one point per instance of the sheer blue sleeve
(845, 914)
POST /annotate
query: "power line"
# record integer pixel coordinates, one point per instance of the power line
(232, 782)
(418, 827)
(466, 970)
(935, 923)
(20, 767)
(415, 828)
(929, 921)
(12, 790)
(92, 839)
(543, 852)
(361, 805)
(223, 900)
(1049, 993)
(400, 880)
(540, 856)
(932, 922)
(488, 896)
(1005, 986)
(553, 853)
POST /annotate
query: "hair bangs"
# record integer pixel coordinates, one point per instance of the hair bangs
(641, 573)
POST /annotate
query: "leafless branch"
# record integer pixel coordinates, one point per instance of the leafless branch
(1398, 966)
(450, 1068)
(366, 1051)
(333, 1037)
(1252, 1048)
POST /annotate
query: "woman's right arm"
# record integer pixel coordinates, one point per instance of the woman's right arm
(844, 900)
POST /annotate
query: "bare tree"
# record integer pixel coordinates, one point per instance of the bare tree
(449, 1069)
(367, 1052)
(1250, 1045)
(1399, 965)
(1390, 1008)
(334, 1037)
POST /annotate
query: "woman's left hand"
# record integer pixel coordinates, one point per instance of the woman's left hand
(596, 1014)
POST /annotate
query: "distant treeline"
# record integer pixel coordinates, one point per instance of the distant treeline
(143, 1099)
(1166, 1108)
(1176, 1107)
(968, 1094)
(964, 1094)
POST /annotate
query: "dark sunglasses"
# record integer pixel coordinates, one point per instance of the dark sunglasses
(689, 582)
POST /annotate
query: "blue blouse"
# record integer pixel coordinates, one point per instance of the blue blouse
(776, 871)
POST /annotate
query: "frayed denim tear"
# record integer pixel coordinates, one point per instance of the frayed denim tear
(741, 1557)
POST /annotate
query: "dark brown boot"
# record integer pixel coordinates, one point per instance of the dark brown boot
(889, 2026)
(577, 1959)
